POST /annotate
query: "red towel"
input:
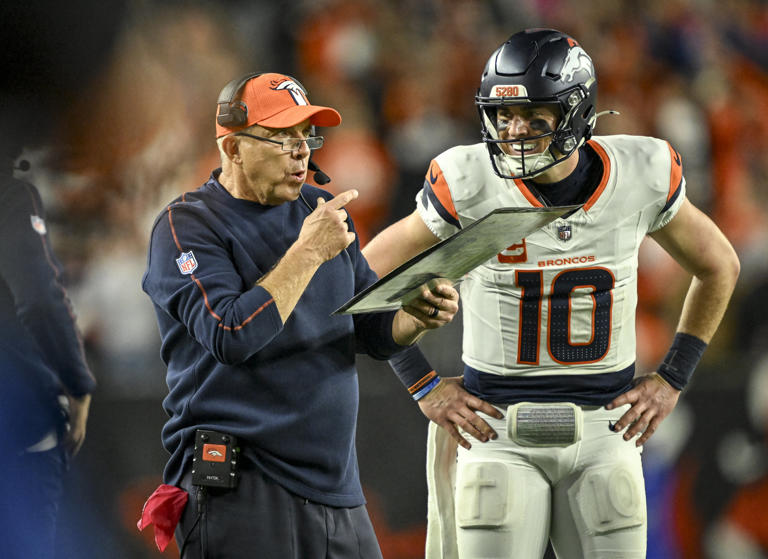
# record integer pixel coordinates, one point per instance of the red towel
(163, 509)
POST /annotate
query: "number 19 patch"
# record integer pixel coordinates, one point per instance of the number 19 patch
(187, 262)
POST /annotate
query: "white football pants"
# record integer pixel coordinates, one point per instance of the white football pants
(588, 498)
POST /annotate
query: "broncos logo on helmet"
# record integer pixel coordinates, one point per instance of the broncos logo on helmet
(576, 61)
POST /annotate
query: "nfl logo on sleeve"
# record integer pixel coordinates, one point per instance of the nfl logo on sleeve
(38, 224)
(186, 262)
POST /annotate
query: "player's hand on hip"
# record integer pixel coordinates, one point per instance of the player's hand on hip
(325, 231)
(435, 306)
(651, 399)
(450, 406)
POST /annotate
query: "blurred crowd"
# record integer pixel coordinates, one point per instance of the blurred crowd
(403, 74)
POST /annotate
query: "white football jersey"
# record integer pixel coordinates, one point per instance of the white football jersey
(562, 300)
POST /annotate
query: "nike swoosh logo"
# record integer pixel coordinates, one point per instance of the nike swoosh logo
(432, 177)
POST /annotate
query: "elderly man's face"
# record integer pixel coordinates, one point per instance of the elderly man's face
(273, 175)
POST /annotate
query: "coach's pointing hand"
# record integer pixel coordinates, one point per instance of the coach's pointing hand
(325, 231)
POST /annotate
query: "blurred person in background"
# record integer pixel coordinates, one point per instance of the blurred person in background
(741, 530)
(549, 333)
(46, 381)
(245, 273)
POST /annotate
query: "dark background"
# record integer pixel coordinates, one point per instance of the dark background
(115, 100)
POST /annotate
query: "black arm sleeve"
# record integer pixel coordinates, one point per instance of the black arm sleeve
(32, 275)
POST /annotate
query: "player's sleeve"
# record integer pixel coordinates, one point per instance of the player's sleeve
(33, 275)
(412, 368)
(204, 291)
(435, 203)
(676, 193)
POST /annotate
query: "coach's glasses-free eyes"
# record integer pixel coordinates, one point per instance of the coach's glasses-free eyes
(289, 144)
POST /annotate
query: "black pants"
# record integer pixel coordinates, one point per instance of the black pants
(31, 486)
(260, 519)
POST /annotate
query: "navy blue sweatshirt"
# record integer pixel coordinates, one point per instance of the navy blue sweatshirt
(41, 354)
(288, 391)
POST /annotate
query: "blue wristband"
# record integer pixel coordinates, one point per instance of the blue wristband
(427, 389)
(681, 360)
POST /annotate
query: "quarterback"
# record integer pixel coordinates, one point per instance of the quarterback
(549, 323)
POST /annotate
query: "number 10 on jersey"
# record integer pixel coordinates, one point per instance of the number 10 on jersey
(567, 287)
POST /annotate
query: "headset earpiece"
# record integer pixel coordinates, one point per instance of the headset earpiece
(233, 113)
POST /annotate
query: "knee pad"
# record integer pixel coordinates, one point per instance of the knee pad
(608, 498)
(482, 495)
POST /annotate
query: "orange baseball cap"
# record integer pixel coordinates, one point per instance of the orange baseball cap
(277, 101)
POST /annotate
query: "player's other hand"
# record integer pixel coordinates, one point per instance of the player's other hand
(651, 399)
(451, 407)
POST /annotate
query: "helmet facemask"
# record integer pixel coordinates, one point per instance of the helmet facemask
(523, 165)
(563, 138)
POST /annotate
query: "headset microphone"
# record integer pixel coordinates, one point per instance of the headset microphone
(320, 177)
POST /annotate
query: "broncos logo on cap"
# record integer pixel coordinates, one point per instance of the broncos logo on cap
(299, 97)
(576, 61)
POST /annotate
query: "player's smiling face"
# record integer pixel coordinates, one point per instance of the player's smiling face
(517, 122)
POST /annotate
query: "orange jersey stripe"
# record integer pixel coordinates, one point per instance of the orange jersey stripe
(595, 195)
(440, 188)
(676, 172)
(606, 173)
(528, 194)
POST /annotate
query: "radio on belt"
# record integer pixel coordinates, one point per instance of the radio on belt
(215, 459)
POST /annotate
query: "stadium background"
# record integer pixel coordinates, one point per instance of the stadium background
(118, 99)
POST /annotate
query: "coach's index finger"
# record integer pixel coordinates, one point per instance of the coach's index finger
(342, 199)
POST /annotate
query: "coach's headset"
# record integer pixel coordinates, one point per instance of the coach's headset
(233, 112)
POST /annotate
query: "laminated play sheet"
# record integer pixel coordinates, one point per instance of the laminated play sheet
(453, 257)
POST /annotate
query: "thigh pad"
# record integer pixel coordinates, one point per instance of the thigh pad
(482, 495)
(608, 498)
